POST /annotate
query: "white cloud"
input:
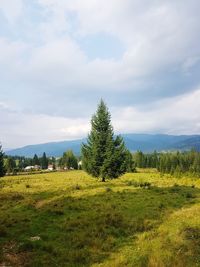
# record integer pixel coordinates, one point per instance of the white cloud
(45, 70)
(157, 34)
(56, 62)
(180, 115)
(174, 116)
(19, 128)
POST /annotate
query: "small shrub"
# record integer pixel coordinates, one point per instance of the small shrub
(108, 189)
(50, 249)
(59, 212)
(79, 257)
(145, 185)
(133, 183)
(192, 233)
(140, 225)
(129, 183)
(26, 246)
(3, 231)
(175, 188)
(115, 220)
(189, 195)
(77, 187)
(17, 196)
(161, 206)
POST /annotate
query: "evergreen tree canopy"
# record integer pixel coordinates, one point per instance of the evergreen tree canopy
(174, 162)
(44, 161)
(2, 167)
(36, 160)
(104, 155)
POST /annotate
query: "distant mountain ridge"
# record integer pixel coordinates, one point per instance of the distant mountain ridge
(134, 142)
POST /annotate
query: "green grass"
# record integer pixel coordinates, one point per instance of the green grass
(140, 219)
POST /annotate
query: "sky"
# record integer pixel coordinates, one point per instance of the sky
(59, 58)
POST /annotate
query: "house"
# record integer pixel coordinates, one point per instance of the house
(32, 168)
(29, 168)
(50, 167)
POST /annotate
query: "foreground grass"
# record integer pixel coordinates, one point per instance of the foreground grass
(72, 219)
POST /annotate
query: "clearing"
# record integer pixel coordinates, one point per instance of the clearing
(71, 219)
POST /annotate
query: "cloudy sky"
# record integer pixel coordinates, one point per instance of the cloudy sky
(58, 58)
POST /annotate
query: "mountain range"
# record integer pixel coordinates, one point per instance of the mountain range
(144, 142)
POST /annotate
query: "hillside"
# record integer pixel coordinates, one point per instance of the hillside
(71, 219)
(134, 142)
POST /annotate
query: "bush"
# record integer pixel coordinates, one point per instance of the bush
(108, 189)
(145, 185)
(189, 195)
(161, 206)
(77, 187)
(17, 196)
(139, 184)
(3, 231)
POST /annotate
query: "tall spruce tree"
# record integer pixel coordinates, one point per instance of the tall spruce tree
(2, 166)
(104, 156)
(44, 161)
(36, 160)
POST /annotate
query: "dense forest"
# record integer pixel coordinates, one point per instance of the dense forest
(171, 162)
(174, 163)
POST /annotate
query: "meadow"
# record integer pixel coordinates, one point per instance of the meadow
(71, 219)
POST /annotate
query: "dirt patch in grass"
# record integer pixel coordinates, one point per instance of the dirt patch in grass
(11, 256)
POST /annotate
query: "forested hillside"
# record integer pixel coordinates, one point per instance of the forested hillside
(134, 142)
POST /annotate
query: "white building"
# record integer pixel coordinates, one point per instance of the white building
(29, 168)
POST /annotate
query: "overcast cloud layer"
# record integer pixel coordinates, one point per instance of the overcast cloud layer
(58, 58)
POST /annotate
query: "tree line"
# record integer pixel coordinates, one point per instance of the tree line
(171, 162)
(105, 155)
(15, 164)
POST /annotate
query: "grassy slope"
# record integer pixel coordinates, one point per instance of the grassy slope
(83, 222)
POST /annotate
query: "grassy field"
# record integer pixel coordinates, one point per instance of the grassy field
(72, 219)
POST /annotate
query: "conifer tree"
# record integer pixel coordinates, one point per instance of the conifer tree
(2, 167)
(196, 164)
(36, 160)
(104, 155)
(44, 161)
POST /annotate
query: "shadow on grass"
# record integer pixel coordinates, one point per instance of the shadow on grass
(84, 230)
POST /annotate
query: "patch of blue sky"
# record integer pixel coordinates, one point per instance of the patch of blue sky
(6, 30)
(102, 46)
(22, 28)
(30, 21)
(73, 24)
